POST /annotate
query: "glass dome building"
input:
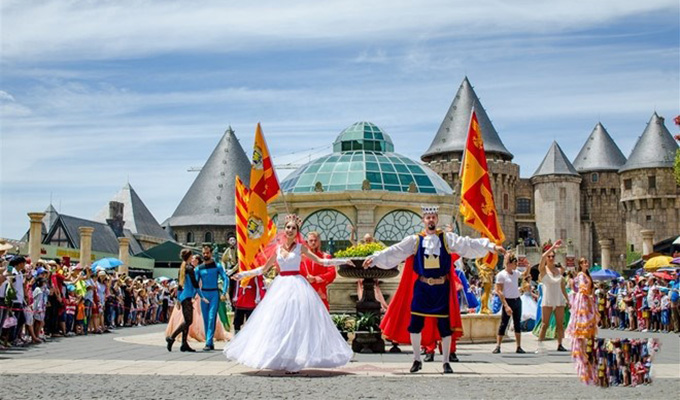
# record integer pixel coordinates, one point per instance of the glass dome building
(363, 152)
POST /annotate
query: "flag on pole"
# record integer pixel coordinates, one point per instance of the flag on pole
(476, 197)
(257, 228)
(241, 222)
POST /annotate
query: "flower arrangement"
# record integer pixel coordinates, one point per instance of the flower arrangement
(344, 322)
(360, 250)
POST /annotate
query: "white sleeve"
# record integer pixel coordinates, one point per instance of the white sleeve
(333, 262)
(468, 247)
(395, 254)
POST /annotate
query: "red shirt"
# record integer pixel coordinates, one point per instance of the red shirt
(325, 275)
(248, 297)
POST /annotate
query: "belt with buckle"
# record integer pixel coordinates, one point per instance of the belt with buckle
(433, 281)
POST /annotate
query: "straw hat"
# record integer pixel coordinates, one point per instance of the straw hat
(4, 246)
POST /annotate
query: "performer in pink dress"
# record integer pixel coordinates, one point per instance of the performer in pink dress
(583, 324)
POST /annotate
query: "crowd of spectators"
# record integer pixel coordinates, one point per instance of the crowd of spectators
(50, 298)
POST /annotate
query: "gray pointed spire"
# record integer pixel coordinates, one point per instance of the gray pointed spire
(453, 130)
(599, 153)
(210, 199)
(138, 219)
(654, 149)
(51, 216)
(555, 163)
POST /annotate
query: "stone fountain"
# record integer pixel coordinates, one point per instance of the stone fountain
(366, 341)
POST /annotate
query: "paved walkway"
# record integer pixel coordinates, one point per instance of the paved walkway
(129, 355)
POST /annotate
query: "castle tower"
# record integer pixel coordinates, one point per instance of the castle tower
(446, 150)
(206, 213)
(602, 216)
(557, 199)
(649, 194)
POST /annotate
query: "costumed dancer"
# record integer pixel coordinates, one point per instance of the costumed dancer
(290, 329)
(316, 274)
(426, 288)
(230, 263)
(246, 299)
(583, 324)
(207, 274)
(429, 348)
(189, 289)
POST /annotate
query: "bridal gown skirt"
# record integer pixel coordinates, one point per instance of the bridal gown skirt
(289, 330)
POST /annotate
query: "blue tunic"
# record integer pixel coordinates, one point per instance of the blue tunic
(431, 300)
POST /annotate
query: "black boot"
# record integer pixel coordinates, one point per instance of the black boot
(447, 368)
(185, 348)
(169, 342)
(429, 357)
(561, 348)
(417, 366)
(453, 357)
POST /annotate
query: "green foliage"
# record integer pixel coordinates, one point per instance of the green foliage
(676, 167)
(344, 322)
(367, 322)
(360, 250)
(632, 256)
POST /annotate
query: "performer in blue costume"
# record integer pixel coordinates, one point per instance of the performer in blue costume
(207, 275)
(469, 296)
(426, 288)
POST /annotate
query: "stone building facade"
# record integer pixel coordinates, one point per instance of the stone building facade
(601, 200)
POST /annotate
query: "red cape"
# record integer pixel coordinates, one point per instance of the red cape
(395, 323)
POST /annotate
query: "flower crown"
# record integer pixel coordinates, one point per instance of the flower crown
(292, 217)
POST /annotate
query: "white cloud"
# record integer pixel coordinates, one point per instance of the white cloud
(64, 30)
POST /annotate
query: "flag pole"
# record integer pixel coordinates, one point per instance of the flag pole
(276, 175)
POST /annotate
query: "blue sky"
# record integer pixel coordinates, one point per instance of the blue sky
(92, 93)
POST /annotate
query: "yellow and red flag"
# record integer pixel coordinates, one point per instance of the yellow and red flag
(476, 197)
(241, 221)
(257, 228)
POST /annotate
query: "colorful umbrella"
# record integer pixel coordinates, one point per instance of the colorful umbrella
(676, 260)
(664, 275)
(106, 263)
(604, 275)
(657, 262)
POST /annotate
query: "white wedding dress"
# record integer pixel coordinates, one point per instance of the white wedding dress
(290, 329)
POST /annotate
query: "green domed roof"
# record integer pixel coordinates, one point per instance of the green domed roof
(363, 136)
(352, 162)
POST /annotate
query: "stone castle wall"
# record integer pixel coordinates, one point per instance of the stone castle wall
(602, 212)
(558, 208)
(220, 233)
(648, 207)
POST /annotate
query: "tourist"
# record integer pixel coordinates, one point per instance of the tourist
(507, 289)
(583, 324)
(291, 328)
(317, 275)
(427, 279)
(554, 297)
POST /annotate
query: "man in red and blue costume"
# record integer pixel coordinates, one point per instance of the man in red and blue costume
(426, 297)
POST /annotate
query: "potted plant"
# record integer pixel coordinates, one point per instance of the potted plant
(368, 338)
(344, 323)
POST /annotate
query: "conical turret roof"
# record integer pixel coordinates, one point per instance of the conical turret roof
(138, 219)
(555, 163)
(210, 199)
(599, 153)
(453, 131)
(654, 149)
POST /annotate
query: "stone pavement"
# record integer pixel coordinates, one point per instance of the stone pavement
(119, 364)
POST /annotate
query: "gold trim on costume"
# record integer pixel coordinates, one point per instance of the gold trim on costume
(430, 315)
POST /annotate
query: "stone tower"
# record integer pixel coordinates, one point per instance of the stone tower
(557, 199)
(602, 216)
(649, 194)
(446, 150)
(206, 213)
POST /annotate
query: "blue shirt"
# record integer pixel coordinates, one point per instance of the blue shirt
(190, 285)
(207, 274)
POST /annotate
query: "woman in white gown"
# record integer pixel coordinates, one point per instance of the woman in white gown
(290, 329)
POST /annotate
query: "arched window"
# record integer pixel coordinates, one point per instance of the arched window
(396, 225)
(330, 224)
(190, 237)
(208, 237)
